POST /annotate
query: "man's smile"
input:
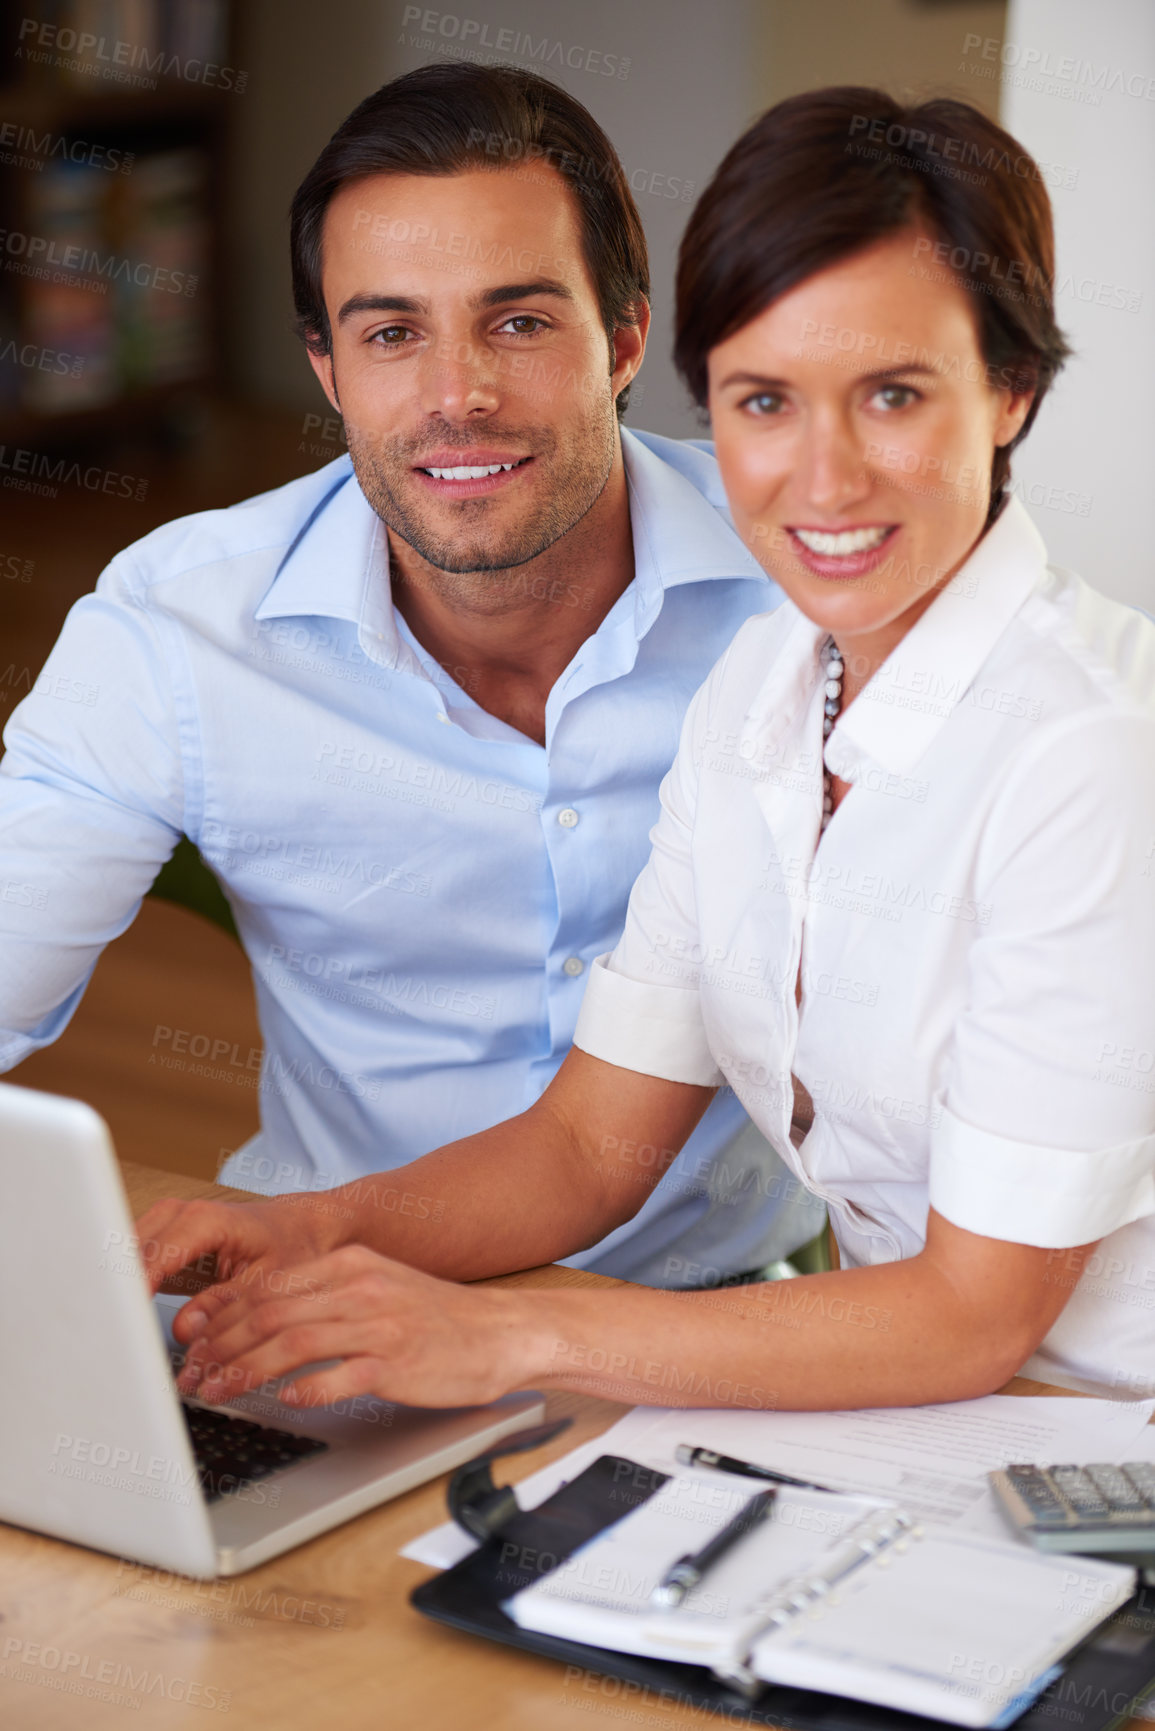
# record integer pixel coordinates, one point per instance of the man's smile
(488, 473)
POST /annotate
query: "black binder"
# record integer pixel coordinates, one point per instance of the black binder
(1103, 1680)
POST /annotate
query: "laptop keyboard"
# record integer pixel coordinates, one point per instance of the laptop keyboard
(232, 1452)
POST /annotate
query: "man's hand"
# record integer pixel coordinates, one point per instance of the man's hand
(400, 1335)
(256, 1244)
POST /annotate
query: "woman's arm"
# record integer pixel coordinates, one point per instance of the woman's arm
(541, 1186)
(953, 1322)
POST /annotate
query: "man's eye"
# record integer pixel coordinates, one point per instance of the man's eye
(763, 403)
(896, 396)
(523, 325)
(392, 336)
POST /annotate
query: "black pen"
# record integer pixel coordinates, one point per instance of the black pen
(688, 1456)
(681, 1576)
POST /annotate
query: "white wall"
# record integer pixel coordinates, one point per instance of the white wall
(1094, 442)
(912, 48)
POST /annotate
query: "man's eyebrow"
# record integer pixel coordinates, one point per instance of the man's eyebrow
(763, 382)
(520, 291)
(373, 303)
(494, 297)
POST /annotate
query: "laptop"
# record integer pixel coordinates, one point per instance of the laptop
(97, 1447)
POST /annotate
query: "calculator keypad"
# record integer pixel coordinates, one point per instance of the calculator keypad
(1097, 1495)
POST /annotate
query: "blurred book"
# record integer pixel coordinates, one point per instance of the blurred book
(163, 331)
(135, 44)
(115, 302)
(68, 308)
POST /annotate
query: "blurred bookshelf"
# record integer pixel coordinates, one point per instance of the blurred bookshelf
(114, 128)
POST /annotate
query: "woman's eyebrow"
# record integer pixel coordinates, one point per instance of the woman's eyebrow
(900, 373)
(759, 379)
(763, 382)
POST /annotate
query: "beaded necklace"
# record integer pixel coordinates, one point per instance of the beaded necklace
(833, 666)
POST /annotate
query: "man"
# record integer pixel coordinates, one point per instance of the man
(414, 709)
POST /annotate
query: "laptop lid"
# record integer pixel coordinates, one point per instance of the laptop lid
(93, 1447)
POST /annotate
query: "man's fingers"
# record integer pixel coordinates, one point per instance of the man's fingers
(171, 1235)
(157, 1215)
(170, 1240)
(154, 1233)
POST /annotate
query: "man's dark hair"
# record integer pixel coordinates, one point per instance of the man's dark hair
(447, 118)
(823, 175)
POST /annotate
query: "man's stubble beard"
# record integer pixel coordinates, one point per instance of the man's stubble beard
(473, 548)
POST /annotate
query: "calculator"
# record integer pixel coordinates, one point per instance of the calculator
(1100, 1508)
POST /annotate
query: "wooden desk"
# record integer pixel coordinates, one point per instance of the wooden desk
(322, 1636)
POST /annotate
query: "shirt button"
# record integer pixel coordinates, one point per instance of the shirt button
(569, 819)
(441, 716)
(573, 966)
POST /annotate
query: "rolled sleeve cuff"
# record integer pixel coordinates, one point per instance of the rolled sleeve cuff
(1026, 1194)
(656, 1030)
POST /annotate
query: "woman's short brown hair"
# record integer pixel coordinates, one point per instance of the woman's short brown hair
(823, 175)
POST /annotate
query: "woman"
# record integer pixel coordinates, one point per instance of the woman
(920, 953)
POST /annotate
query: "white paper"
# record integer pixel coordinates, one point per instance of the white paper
(932, 1459)
(602, 1595)
(957, 1628)
(899, 1631)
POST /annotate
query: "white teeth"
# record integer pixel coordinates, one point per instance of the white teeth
(841, 545)
(461, 473)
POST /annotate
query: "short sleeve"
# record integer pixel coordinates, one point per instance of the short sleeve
(641, 1008)
(1046, 1133)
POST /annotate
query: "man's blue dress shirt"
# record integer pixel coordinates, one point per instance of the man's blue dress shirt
(420, 888)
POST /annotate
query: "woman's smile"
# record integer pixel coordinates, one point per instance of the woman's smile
(843, 553)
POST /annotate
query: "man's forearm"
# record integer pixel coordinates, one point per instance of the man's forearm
(541, 1186)
(515, 1196)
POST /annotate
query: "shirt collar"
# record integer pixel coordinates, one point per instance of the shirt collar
(897, 716)
(337, 565)
(679, 524)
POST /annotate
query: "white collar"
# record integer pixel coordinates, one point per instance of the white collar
(897, 715)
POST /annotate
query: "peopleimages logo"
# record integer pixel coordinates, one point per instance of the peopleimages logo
(120, 61)
(23, 147)
(79, 261)
(450, 33)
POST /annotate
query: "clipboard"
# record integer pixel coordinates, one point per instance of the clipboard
(1101, 1683)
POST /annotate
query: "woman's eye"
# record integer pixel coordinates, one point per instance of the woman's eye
(763, 403)
(896, 396)
(523, 324)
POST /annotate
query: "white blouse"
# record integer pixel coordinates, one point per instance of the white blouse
(975, 932)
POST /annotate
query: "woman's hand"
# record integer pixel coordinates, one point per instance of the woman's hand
(256, 1245)
(400, 1335)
